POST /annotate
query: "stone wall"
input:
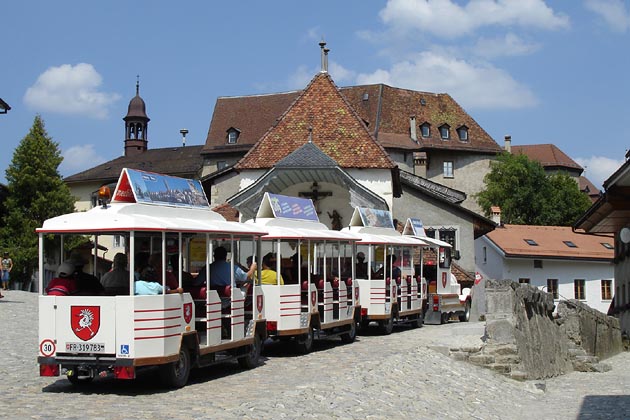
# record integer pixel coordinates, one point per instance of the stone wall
(524, 340)
(599, 335)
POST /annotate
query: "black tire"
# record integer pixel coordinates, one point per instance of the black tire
(351, 335)
(387, 326)
(465, 317)
(304, 343)
(252, 359)
(417, 321)
(444, 318)
(175, 375)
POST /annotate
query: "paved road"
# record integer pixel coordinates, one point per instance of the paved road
(404, 375)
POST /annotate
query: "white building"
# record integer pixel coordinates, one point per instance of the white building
(568, 264)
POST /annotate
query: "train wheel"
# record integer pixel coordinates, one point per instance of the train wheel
(351, 335)
(465, 317)
(251, 359)
(417, 321)
(387, 326)
(305, 342)
(176, 374)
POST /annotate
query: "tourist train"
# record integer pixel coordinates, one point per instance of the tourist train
(283, 276)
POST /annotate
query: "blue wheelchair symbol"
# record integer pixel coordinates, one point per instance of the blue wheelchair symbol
(124, 349)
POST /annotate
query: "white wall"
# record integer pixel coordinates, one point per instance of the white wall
(497, 266)
(379, 181)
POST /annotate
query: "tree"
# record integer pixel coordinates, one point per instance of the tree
(36, 193)
(527, 196)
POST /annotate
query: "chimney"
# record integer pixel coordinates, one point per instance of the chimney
(508, 144)
(183, 132)
(412, 128)
(496, 214)
(324, 58)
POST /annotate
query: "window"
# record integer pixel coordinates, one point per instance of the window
(485, 255)
(448, 235)
(462, 132)
(531, 242)
(448, 169)
(538, 264)
(570, 244)
(425, 129)
(445, 132)
(119, 241)
(221, 164)
(552, 287)
(232, 135)
(606, 289)
(607, 245)
(523, 281)
(578, 289)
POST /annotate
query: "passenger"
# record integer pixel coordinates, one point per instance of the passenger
(143, 287)
(220, 271)
(143, 270)
(268, 273)
(395, 272)
(187, 278)
(362, 266)
(116, 281)
(65, 283)
(86, 283)
(155, 261)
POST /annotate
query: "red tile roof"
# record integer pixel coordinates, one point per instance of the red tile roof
(384, 109)
(548, 155)
(550, 239)
(336, 130)
(227, 211)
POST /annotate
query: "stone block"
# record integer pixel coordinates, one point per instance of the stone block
(481, 359)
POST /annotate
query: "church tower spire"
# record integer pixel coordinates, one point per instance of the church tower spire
(136, 124)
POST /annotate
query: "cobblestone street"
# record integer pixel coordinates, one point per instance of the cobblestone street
(403, 375)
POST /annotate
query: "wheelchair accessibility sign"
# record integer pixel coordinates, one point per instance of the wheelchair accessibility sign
(124, 350)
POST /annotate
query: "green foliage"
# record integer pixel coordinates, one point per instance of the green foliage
(36, 193)
(527, 196)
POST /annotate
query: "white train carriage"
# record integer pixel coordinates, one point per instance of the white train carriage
(86, 335)
(390, 289)
(310, 292)
(443, 297)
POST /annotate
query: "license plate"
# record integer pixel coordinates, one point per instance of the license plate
(85, 347)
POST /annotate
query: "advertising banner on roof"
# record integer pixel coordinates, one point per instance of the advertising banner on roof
(417, 228)
(151, 188)
(376, 218)
(292, 207)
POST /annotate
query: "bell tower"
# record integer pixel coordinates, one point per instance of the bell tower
(136, 124)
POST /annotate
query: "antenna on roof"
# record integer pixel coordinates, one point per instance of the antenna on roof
(183, 131)
(137, 85)
(310, 134)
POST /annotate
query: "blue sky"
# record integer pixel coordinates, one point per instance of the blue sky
(540, 71)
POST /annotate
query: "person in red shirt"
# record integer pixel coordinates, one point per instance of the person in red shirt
(65, 283)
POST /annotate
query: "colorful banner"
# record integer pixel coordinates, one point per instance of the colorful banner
(292, 207)
(376, 218)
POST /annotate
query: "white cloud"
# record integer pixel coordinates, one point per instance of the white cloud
(445, 18)
(473, 85)
(613, 12)
(70, 90)
(598, 168)
(509, 45)
(79, 158)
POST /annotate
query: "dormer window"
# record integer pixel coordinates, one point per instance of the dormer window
(445, 132)
(425, 129)
(462, 132)
(232, 136)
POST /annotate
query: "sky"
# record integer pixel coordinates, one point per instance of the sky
(552, 71)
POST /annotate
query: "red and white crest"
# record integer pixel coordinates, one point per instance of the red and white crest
(443, 279)
(356, 293)
(313, 298)
(259, 302)
(188, 312)
(85, 321)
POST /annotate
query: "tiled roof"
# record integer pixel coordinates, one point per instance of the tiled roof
(307, 156)
(548, 155)
(511, 239)
(227, 211)
(385, 110)
(589, 188)
(388, 110)
(336, 130)
(177, 161)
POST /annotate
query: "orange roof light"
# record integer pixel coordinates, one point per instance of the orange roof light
(104, 195)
